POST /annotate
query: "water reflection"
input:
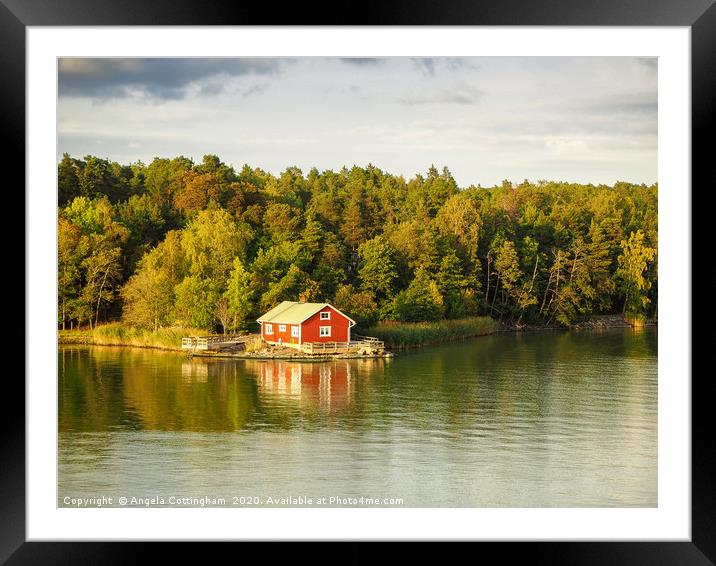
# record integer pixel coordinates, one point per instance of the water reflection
(110, 389)
(324, 385)
(534, 419)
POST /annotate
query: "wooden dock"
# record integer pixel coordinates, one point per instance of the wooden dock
(213, 342)
(364, 345)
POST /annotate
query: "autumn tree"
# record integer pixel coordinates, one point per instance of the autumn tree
(148, 295)
(212, 240)
(542, 252)
(633, 263)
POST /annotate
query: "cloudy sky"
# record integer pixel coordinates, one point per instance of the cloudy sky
(582, 119)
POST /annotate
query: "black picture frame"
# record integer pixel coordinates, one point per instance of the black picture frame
(698, 15)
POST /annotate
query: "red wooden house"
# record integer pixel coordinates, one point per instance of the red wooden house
(293, 324)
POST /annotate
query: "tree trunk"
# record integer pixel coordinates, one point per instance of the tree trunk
(64, 277)
(497, 286)
(555, 293)
(99, 298)
(544, 297)
(574, 267)
(534, 274)
(487, 292)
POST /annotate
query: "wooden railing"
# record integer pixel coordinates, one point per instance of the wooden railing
(325, 347)
(208, 342)
(342, 347)
(360, 338)
(215, 341)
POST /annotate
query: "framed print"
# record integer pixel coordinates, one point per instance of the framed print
(398, 279)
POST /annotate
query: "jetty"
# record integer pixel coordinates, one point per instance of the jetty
(237, 344)
(365, 345)
(214, 342)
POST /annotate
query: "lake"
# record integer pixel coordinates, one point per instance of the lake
(534, 419)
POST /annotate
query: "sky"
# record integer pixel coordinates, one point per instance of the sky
(576, 119)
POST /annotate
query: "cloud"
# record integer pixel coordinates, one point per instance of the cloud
(362, 61)
(633, 104)
(425, 64)
(567, 145)
(164, 79)
(460, 93)
(649, 62)
(460, 63)
(591, 119)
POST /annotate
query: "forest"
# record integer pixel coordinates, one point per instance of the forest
(203, 245)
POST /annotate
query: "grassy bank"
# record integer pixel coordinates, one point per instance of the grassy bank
(411, 334)
(117, 334)
(394, 334)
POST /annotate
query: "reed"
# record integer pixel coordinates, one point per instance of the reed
(117, 334)
(411, 334)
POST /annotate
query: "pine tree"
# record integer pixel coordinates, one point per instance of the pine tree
(377, 271)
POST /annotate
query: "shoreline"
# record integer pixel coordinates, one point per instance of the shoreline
(599, 322)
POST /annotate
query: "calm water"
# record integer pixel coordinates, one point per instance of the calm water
(548, 419)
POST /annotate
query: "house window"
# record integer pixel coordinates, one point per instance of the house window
(282, 328)
(326, 315)
(325, 331)
(294, 331)
(268, 328)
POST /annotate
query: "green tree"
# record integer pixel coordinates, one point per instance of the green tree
(238, 294)
(550, 250)
(295, 285)
(421, 301)
(164, 180)
(196, 300)
(69, 259)
(103, 272)
(149, 294)
(148, 298)
(359, 305)
(68, 185)
(212, 240)
(633, 263)
(509, 275)
(377, 271)
(281, 222)
(458, 299)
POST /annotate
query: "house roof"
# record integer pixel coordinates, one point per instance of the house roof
(292, 312)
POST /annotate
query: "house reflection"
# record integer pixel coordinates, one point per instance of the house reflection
(325, 384)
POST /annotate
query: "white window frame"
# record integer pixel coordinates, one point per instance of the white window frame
(295, 331)
(321, 330)
(282, 328)
(268, 328)
(327, 317)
